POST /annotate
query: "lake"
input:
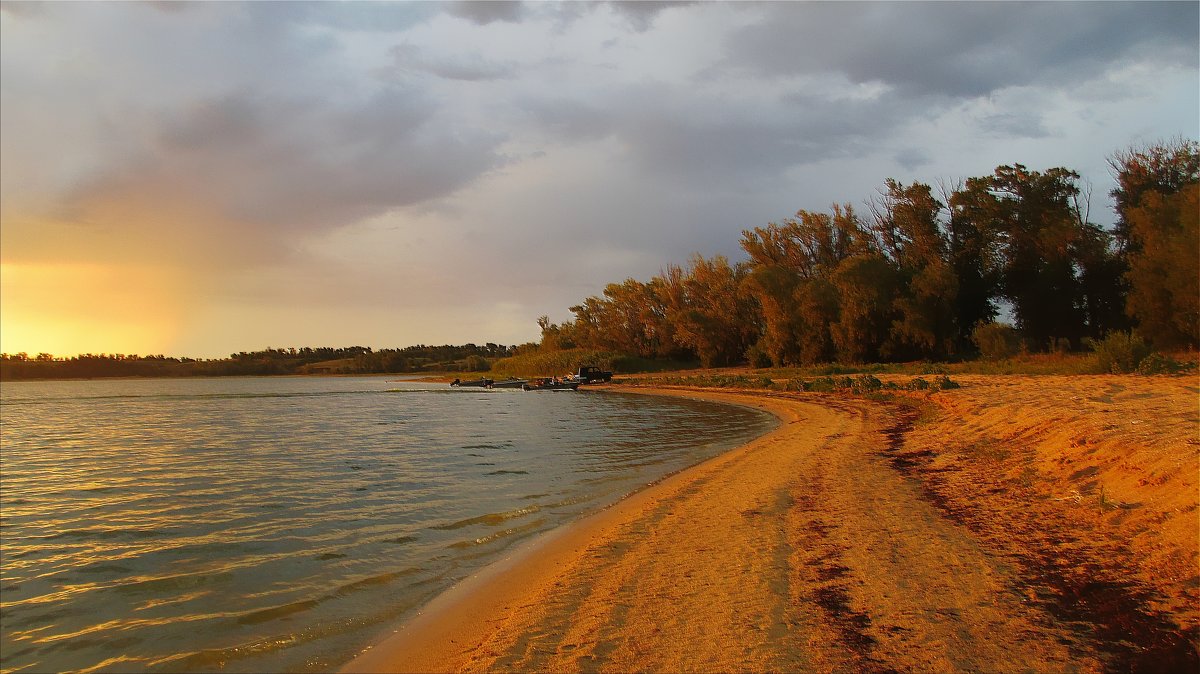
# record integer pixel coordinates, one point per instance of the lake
(283, 523)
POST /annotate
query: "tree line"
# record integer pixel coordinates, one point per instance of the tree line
(270, 361)
(921, 272)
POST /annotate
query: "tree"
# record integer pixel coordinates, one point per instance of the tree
(710, 313)
(909, 231)
(971, 239)
(791, 267)
(1156, 203)
(555, 337)
(866, 287)
(1031, 222)
(1166, 167)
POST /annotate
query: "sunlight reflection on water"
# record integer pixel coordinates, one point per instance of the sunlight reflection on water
(270, 524)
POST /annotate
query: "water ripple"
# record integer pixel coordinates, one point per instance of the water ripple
(278, 524)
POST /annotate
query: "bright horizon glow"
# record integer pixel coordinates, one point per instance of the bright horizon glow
(70, 309)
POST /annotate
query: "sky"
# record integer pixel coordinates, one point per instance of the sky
(197, 179)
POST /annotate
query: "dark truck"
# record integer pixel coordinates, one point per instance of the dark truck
(590, 374)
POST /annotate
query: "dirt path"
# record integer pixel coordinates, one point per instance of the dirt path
(806, 550)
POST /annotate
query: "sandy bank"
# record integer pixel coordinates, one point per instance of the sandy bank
(864, 537)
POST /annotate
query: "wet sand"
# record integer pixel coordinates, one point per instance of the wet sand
(1016, 524)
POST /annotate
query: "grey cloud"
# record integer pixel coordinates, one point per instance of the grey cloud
(642, 13)
(962, 49)
(722, 141)
(912, 158)
(485, 12)
(467, 68)
(1023, 125)
(273, 169)
(22, 9)
(570, 119)
(348, 16)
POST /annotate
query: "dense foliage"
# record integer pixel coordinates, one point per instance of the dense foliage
(923, 276)
(325, 360)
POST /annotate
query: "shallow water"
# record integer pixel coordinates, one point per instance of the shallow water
(279, 524)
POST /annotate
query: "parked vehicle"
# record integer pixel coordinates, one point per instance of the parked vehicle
(590, 374)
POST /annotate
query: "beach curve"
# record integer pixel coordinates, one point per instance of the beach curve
(806, 549)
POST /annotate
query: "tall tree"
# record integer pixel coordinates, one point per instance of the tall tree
(910, 233)
(1035, 221)
(791, 267)
(1156, 203)
(709, 311)
(867, 285)
(972, 241)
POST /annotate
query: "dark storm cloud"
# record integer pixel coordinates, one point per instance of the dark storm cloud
(963, 49)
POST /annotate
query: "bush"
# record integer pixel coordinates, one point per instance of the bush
(996, 341)
(476, 364)
(543, 363)
(944, 383)
(1118, 353)
(866, 383)
(757, 357)
(796, 384)
(1156, 363)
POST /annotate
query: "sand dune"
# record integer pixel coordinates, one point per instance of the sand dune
(1016, 524)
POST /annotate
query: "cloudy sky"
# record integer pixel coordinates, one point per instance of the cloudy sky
(202, 178)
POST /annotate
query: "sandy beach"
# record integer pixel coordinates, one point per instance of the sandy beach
(1015, 524)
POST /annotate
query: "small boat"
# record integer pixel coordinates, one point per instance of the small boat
(472, 382)
(510, 383)
(550, 385)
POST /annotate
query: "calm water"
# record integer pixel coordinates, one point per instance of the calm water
(280, 524)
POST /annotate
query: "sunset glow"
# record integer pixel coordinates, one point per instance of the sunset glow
(88, 308)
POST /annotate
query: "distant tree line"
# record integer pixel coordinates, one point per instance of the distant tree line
(922, 273)
(271, 361)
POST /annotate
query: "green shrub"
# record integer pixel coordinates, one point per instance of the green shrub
(866, 383)
(1157, 363)
(796, 384)
(918, 384)
(996, 341)
(944, 383)
(821, 385)
(1118, 353)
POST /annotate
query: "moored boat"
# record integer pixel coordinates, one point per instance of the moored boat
(548, 384)
(472, 382)
(510, 383)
